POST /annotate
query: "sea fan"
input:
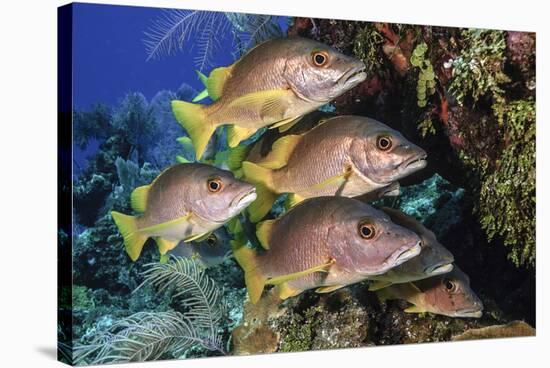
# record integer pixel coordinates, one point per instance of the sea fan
(174, 28)
(253, 29)
(154, 335)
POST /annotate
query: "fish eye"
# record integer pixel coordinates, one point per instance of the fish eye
(212, 240)
(215, 185)
(450, 286)
(320, 58)
(384, 143)
(366, 230)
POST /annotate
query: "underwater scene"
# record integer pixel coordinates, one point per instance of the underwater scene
(246, 184)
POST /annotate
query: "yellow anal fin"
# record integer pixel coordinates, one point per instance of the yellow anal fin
(280, 152)
(234, 226)
(253, 277)
(165, 245)
(194, 120)
(270, 104)
(263, 232)
(197, 237)
(377, 285)
(138, 198)
(384, 294)
(216, 81)
(203, 78)
(134, 238)
(166, 225)
(201, 96)
(285, 291)
(292, 200)
(328, 289)
(285, 122)
(236, 135)
(414, 309)
(285, 278)
(163, 258)
(284, 127)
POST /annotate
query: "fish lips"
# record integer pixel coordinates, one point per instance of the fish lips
(415, 163)
(469, 313)
(398, 257)
(438, 269)
(353, 76)
(242, 201)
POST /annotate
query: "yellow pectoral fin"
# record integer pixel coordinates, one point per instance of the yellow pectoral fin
(166, 225)
(285, 291)
(165, 245)
(138, 198)
(336, 180)
(197, 237)
(270, 104)
(328, 289)
(285, 278)
(377, 285)
(236, 135)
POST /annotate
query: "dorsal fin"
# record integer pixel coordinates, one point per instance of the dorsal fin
(280, 152)
(216, 81)
(138, 198)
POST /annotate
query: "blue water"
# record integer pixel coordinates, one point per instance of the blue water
(109, 57)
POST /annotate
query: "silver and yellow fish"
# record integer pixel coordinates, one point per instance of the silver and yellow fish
(185, 202)
(449, 295)
(324, 243)
(275, 83)
(344, 156)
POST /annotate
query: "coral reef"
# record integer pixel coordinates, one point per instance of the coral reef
(466, 96)
(477, 117)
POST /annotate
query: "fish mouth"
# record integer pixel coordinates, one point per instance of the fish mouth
(405, 253)
(415, 163)
(469, 313)
(439, 269)
(354, 75)
(244, 199)
(398, 257)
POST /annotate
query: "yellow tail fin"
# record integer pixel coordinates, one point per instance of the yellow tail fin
(248, 261)
(263, 203)
(194, 119)
(133, 239)
(266, 193)
(236, 156)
